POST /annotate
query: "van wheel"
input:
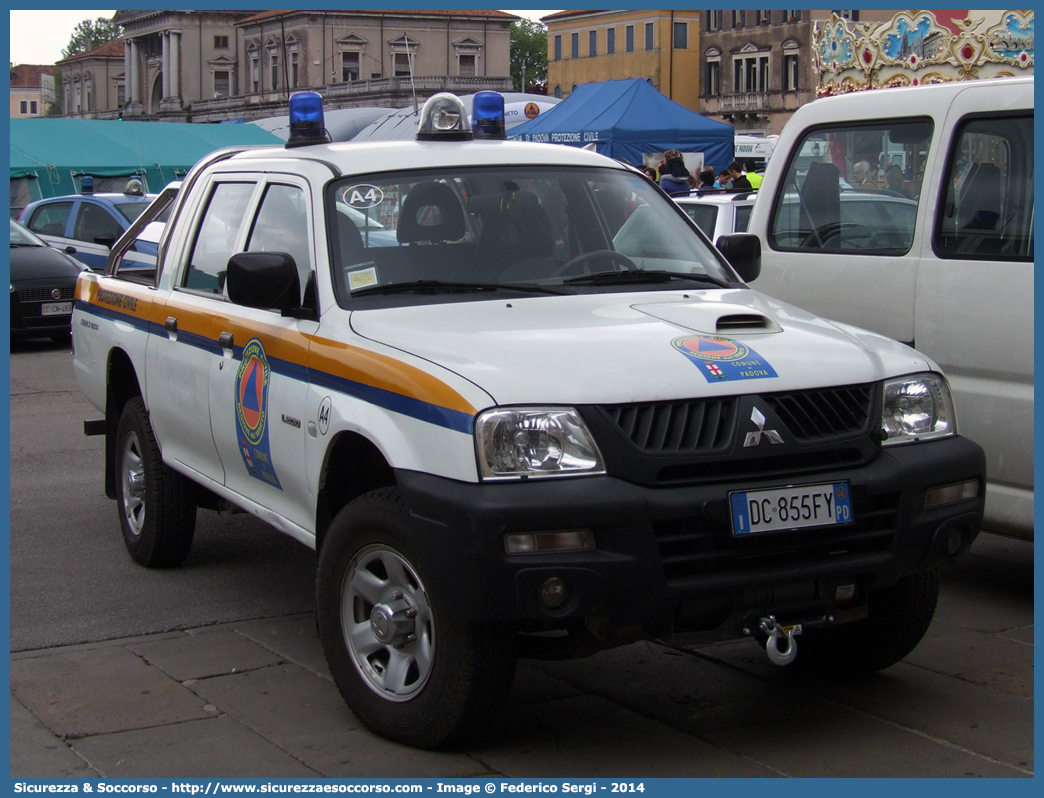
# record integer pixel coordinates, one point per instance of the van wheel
(156, 504)
(898, 616)
(407, 669)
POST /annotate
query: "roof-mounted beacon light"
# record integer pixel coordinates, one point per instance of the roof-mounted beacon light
(307, 124)
(488, 116)
(443, 118)
(86, 184)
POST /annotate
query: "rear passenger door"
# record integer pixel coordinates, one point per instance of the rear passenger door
(974, 311)
(259, 375)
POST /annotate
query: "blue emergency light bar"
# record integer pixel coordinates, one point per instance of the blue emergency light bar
(488, 115)
(307, 123)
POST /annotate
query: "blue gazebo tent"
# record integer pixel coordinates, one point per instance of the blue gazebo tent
(625, 119)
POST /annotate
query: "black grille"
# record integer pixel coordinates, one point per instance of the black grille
(705, 544)
(44, 294)
(677, 427)
(814, 416)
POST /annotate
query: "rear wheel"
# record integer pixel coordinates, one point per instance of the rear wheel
(408, 670)
(156, 504)
(898, 616)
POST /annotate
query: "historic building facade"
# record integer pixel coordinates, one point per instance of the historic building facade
(207, 66)
(758, 65)
(593, 46)
(32, 90)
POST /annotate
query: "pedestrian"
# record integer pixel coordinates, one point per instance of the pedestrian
(895, 181)
(739, 180)
(707, 177)
(674, 177)
(724, 180)
(651, 172)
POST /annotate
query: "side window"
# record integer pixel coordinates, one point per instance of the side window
(93, 222)
(743, 213)
(281, 225)
(987, 210)
(853, 189)
(216, 239)
(50, 220)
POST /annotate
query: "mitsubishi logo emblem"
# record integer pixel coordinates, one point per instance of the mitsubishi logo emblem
(754, 438)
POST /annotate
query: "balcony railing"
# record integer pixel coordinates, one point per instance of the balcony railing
(743, 103)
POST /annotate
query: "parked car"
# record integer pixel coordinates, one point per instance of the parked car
(86, 225)
(944, 263)
(43, 281)
(719, 212)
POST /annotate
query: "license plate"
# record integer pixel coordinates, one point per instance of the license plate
(56, 308)
(795, 507)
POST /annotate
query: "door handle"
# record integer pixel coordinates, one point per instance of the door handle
(171, 326)
(226, 340)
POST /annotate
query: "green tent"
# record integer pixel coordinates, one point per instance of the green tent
(48, 156)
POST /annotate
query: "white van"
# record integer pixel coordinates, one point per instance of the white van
(937, 252)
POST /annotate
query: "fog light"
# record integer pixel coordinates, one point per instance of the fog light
(545, 542)
(951, 494)
(552, 593)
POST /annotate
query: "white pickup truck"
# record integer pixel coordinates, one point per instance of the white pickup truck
(518, 404)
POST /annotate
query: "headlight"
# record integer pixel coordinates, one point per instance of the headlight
(519, 443)
(917, 408)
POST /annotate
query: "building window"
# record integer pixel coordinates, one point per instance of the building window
(764, 17)
(790, 70)
(849, 15)
(350, 67)
(713, 80)
(791, 16)
(23, 107)
(610, 41)
(629, 39)
(738, 18)
(293, 71)
(649, 33)
(275, 71)
(558, 92)
(558, 48)
(592, 43)
(401, 65)
(681, 35)
(220, 42)
(574, 45)
(255, 75)
(121, 95)
(222, 83)
(750, 74)
(466, 66)
(714, 20)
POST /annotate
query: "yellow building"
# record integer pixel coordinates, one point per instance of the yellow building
(32, 90)
(592, 46)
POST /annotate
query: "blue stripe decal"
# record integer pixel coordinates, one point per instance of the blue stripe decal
(455, 420)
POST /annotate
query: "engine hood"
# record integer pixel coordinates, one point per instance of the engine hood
(630, 347)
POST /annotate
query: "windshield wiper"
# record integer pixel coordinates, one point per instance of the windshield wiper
(643, 276)
(447, 287)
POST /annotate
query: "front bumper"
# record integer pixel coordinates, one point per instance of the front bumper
(666, 560)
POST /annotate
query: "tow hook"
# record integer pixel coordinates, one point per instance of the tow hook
(774, 631)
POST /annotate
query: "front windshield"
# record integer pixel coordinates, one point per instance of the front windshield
(541, 229)
(20, 237)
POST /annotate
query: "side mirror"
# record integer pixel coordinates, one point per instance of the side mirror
(743, 252)
(266, 280)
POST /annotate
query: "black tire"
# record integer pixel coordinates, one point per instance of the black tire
(898, 616)
(156, 505)
(433, 690)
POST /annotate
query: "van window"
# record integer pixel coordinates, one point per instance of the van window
(853, 189)
(987, 213)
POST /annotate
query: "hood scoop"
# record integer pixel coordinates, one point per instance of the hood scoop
(712, 318)
(748, 323)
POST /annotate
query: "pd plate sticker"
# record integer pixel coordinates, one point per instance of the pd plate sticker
(362, 196)
(252, 413)
(722, 360)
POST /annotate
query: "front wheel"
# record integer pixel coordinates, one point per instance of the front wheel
(156, 504)
(897, 618)
(407, 669)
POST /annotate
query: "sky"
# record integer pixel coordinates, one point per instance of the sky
(38, 37)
